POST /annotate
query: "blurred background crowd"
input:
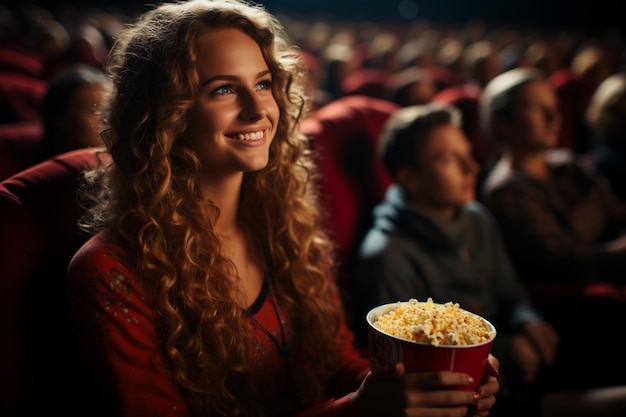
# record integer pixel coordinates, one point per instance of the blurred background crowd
(366, 59)
(405, 51)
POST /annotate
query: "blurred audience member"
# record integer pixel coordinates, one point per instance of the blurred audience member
(449, 55)
(574, 85)
(481, 63)
(339, 59)
(563, 227)
(88, 46)
(382, 51)
(430, 238)
(420, 50)
(318, 96)
(545, 55)
(47, 36)
(410, 86)
(69, 110)
(606, 117)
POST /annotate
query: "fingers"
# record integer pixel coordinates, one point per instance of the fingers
(388, 372)
(441, 379)
(423, 380)
(493, 366)
(489, 387)
(390, 391)
(441, 398)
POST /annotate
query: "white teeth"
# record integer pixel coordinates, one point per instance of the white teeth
(248, 136)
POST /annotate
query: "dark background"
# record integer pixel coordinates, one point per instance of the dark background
(590, 15)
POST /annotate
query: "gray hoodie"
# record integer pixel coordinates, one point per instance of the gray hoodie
(410, 254)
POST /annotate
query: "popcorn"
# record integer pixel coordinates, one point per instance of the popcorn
(434, 324)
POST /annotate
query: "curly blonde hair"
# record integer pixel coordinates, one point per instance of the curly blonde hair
(150, 196)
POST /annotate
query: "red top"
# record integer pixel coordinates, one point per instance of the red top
(115, 332)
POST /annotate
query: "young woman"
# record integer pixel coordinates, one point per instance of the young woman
(207, 288)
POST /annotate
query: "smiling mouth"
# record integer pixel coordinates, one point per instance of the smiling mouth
(247, 136)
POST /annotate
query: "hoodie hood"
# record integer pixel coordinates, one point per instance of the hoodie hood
(397, 215)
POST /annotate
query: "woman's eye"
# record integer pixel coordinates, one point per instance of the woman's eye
(223, 89)
(265, 84)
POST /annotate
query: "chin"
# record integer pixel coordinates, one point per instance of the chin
(257, 166)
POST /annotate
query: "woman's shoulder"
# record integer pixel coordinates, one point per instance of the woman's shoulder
(101, 252)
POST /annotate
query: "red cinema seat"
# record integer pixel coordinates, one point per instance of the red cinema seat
(38, 236)
(21, 61)
(345, 135)
(19, 143)
(20, 97)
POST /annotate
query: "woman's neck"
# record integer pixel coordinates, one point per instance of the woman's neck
(226, 195)
(236, 244)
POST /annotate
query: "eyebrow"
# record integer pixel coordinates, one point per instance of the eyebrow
(233, 78)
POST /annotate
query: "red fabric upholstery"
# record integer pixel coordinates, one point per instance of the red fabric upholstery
(20, 97)
(574, 95)
(442, 77)
(18, 146)
(38, 237)
(370, 82)
(345, 135)
(21, 62)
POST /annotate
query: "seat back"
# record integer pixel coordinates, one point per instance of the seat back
(353, 180)
(19, 145)
(20, 97)
(38, 236)
(21, 61)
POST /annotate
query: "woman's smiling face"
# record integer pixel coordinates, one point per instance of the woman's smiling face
(234, 119)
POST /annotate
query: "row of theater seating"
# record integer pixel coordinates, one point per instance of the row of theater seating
(18, 146)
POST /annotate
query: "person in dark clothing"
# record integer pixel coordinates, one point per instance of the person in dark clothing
(70, 111)
(606, 117)
(431, 238)
(562, 225)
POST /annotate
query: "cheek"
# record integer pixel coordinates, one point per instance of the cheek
(435, 184)
(273, 110)
(449, 182)
(204, 123)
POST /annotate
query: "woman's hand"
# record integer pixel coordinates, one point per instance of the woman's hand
(390, 392)
(487, 388)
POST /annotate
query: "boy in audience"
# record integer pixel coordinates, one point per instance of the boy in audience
(431, 238)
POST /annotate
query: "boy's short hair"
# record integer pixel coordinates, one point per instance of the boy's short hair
(404, 132)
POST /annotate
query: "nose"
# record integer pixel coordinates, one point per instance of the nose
(252, 106)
